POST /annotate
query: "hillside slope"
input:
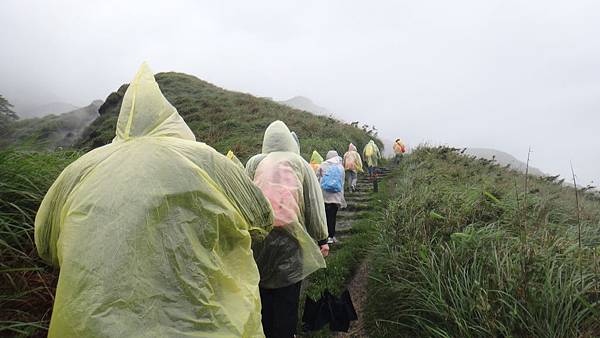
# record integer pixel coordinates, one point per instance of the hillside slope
(304, 103)
(229, 120)
(55, 108)
(51, 131)
(503, 159)
(468, 248)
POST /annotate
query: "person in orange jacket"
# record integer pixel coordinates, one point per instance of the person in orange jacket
(399, 149)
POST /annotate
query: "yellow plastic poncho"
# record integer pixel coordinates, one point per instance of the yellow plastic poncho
(234, 159)
(151, 232)
(290, 251)
(352, 160)
(371, 154)
(315, 160)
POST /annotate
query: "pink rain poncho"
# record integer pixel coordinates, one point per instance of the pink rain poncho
(290, 251)
(352, 160)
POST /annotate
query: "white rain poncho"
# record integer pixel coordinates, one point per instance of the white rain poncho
(290, 252)
(152, 232)
(371, 154)
(333, 160)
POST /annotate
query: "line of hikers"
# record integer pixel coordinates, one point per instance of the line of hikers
(157, 235)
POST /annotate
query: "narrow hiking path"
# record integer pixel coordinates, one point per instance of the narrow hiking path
(359, 202)
(355, 226)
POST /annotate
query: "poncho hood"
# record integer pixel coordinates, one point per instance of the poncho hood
(333, 157)
(146, 112)
(279, 138)
(316, 158)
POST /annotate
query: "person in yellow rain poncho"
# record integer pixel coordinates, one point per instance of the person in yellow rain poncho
(371, 155)
(315, 161)
(399, 150)
(230, 155)
(291, 250)
(152, 232)
(352, 165)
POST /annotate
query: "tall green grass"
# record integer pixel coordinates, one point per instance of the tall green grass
(465, 251)
(26, 283)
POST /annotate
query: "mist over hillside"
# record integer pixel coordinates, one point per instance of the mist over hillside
(304, 103)
(503, 159)
(51, 131)
(55, 108)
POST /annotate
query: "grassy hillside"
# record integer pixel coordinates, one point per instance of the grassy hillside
(51, 131)
(504, 159)
(26, 282)
(230, 120)
(471, 249)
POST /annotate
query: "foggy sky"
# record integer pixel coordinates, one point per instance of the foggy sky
(497, 74)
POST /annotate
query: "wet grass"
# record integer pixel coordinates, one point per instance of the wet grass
(464, 250)
(26, 282)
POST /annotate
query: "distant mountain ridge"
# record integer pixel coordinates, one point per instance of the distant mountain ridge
(503, 159)
(304, 103)
(55, 108)
(51, 131)
(228, 120)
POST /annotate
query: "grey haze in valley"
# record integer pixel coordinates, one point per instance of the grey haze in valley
(499, 74)
(304, 103)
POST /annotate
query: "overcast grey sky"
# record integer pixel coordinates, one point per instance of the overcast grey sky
(500, 74)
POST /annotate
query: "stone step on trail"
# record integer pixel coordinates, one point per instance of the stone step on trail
(343, 225)
(345, 214)
(356, 206)
(350, 200)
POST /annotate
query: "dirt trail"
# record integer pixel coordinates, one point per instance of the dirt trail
(358, 293)
(357, 203)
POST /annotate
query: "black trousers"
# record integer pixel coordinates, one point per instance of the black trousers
(331, 210)
(280, 310)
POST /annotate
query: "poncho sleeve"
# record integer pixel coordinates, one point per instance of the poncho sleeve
(315, 220)
(246, 196)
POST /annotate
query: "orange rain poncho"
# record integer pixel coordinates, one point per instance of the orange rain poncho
(152, 232)
(290, 252)
(352, 160)
(399, 147)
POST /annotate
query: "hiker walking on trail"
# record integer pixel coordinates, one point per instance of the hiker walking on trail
(331, 176)
(353, 166)
(151, 232)
(371, 156)
(298, 241)
(315, 161)
(399, 149)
